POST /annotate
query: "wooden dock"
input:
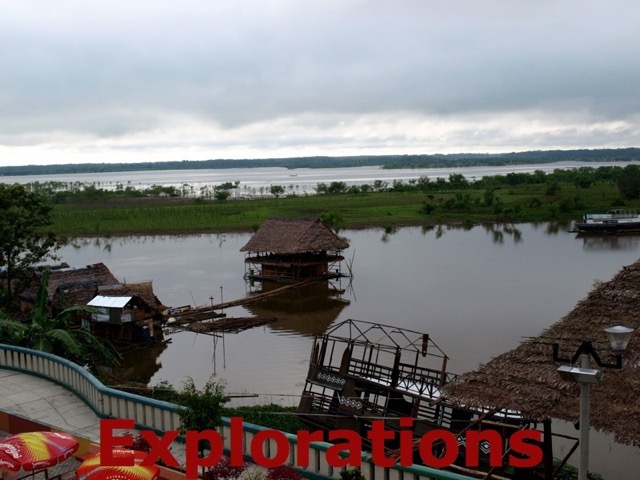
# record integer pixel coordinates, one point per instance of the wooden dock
(203, 319)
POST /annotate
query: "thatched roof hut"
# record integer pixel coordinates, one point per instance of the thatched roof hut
(526, 378)
(290, 249)
(285, 236)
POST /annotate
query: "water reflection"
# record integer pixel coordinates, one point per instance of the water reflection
(140, 365)
(609, 242)
(306, 311)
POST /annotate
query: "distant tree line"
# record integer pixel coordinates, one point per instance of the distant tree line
(627, 179)
(386, 161)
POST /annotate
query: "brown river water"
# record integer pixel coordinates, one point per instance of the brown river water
(478, 292)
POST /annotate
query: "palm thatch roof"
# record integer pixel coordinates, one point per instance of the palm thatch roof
(286, 236)
(526, 378)
(74, 285)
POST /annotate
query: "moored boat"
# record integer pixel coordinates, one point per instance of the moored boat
(614, 221)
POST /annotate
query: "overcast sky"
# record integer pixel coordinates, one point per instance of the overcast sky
(137, 80)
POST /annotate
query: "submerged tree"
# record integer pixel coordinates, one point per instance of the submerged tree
(57, 335)
(25, 236)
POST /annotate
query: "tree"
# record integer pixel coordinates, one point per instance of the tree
(25, 236)
(204, 407)
(276, 190)
(629, 182)
(55, 335)
(221, 195)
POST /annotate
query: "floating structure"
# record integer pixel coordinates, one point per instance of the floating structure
(361, 371)
(613, 222)
(291, 249)
(127, 314)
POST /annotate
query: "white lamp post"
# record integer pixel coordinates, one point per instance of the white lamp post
(619, 337)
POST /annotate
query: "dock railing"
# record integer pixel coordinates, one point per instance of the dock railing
(161, 416)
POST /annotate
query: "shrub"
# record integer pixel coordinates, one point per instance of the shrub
(203, 407)
(223, 471)
(352, 474)
(283, 472)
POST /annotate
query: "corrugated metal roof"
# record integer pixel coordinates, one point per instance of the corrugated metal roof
(110, 302)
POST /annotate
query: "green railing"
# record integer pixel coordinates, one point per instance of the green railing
(104, 401)
(162, 416)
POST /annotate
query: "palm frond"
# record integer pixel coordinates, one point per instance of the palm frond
(11, 331)
(40, 312)
(67, 340)
(98, 348)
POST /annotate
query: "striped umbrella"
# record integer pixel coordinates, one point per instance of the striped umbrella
(90, 469)
(36, 450)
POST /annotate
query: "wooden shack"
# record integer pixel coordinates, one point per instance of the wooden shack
(137, 322)
(127, 314)
(292, 249)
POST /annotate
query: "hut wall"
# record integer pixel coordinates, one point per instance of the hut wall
(288, 270)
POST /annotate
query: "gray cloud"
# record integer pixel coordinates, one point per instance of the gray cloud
(138, 73)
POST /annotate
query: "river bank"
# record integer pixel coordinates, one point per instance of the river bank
(386, 210)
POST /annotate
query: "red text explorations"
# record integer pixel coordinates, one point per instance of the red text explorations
(345, 451)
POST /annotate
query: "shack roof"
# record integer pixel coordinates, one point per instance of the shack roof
(526, 378)
(109, 302)
(293, 235)
(77, 284)
(142, 290)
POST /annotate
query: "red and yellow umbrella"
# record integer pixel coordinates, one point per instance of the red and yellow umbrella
(90, 469)
(35, 450)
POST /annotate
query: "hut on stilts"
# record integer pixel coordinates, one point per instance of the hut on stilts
(526, 378)
(293, 249)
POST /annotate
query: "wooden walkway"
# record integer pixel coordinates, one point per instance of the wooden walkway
(199, 319)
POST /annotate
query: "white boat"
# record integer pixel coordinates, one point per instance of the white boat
(615, 221)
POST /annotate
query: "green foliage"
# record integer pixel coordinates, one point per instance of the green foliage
(534, 197)
(352, 474)
(221, 195)
(428, 208)
(276, 190)
(26, 238)
(629, 182)
(270, 416)
(335, 220)
(569, 472)
(552, 189)
(203, 407)
(56, 335)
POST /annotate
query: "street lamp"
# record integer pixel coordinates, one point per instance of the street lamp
(619, 337)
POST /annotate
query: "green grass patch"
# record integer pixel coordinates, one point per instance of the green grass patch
(521, 203)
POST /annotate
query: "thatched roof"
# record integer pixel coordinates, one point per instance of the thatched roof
(526, 377)
(293, 235)
(76, 284)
